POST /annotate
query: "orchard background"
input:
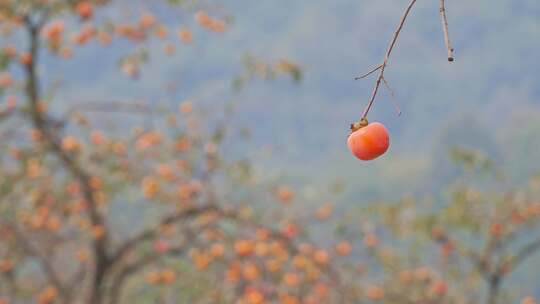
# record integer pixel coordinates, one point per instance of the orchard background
(175, 151)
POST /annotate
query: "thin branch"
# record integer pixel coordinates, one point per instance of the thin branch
(393, 95)
(444, 22)
(110, 107)
(369, 73)
(386, 58)
(525, 252)
(133, 268)
(44, 263)
(151, 233)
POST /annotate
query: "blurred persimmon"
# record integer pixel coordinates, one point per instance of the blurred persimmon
(84, 9)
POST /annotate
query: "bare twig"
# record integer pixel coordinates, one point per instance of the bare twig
(386, 58)
(444, 22)
(382, 67)
(525, 252)
(42, 260)
(134, 267)
(393, 95)
(153, 232)
(369, 73)
(125, 107)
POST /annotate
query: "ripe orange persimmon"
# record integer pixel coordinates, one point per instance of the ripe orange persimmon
(368, 141)
(375, 293)
(439, 288)
(84, 9)
(528, 300)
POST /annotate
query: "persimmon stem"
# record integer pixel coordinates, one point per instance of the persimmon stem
(386, 58)
(444, 22)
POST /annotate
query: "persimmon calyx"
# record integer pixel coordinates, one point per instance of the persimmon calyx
(359, 125)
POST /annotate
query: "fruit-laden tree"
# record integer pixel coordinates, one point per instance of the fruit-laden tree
(90, 214)
(66, 186)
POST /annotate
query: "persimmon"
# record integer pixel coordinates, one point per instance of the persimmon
(250, 272)
(371, 240)
(168, 276)
(47, 295)
(169, 49)
(217, 250)
(25, 58)
(6, 80)
(496, 229)
(6, 265)
(244, 247)
(203, 19)
(368, 140)
(321, 289)
(321, 257)
(284, 194)
(70, 143)
(261, 249)
(289, 230)
(185, 35)
(288, 299)
(528, 300)
(343, 248)
(406, 276)
(439, 288)
(84, 9)
(11, 101)
(98, 231)
(53, 31)
(147, 20)
(324, 212)
(161, 246)
(161, 31)
(273, 265)
(153, 277)
(104, 38)
(53, 224)
(422, 273)
(82, 255)
(291, 279)
(186, 107)
(10, 50)
(375, 293)
(254, 297)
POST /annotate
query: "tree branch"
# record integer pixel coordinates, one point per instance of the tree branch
(386, 58)
(369, 73)
(41, 123)
(44, 263)
(118, 282)
(151, 233)
(444, 22)
(524, 253)
(381, 68)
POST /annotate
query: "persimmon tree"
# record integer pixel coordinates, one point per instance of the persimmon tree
(479, 237)
(62, 181)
